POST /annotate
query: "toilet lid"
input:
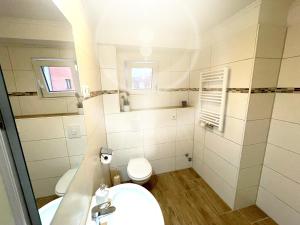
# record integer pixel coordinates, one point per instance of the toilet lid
(64, 182)
(139, 168)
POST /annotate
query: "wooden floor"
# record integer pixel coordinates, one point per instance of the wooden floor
(186, 199)
(40, 202)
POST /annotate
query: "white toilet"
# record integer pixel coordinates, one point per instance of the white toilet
(139, 170)
(64, 182)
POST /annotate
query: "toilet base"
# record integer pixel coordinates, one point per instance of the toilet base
(140, 182)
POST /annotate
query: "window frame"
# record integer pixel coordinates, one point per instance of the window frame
(129, 65)
(42, 84)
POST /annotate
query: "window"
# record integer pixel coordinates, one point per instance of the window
(56, 77)
(140, 76)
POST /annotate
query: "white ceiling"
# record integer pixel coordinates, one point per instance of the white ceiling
(30, 9)
(135, 21)
(164, 13)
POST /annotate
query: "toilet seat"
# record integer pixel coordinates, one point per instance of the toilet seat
(64, 182)
(139, 169)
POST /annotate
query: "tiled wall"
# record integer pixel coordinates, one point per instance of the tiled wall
(163, 136)
(20, 79)
(279, 188)
(217, 155)
(50, 150)
(251, 47)
(172, 76)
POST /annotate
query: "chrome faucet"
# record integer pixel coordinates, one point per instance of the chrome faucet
(102, 210)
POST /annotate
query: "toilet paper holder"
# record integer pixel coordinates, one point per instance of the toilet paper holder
(105, 152)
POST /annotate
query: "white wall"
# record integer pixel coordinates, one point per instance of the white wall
(50, 150)
(217, 155)
(6, 211)
(20, 78)
(19, 28)
(171, 76)
(279, 186)
(163, 136)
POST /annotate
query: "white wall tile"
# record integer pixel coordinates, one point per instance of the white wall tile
(285, 134)
(78, 120)
(159, 151)
(44, 149)
(237, 47)
(246, 197)
(48, 168)
(260, 106)
(158, 118)
(77, 146)
(21, 58)
(252, 155)
(201, 59)
(177, 97)
(179, 79)
(76, 160)
(225, 191)
(265, 73)
(182, 162)
(287, 107)
(4, 59)
(111, 103)
(193, 98)
(292, 47)
(122, 157)
(249, 177)
(49, 128)
(25, 81)
(180, 61)
(198, 150)
(289, 73)
(124, 140)
(283, 161)
(195, 79)
(44, 187)
(33, 105)
(109, 79)
(9, 81)
(237, 105)
(233, 130)
(199, 133)
(270, 41)
(15, 105)
(197, 165)
(159, 135)
(285, 189)
(240, 73)
(184, 147)
(185, 132)
(185, 116)
(223, 168)
(107, 56)
(123, 173)
(226, 149)
(276, 209)
(163, 165)
(125, 121)
(256, 131)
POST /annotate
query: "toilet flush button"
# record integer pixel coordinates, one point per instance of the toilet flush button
(73, 131)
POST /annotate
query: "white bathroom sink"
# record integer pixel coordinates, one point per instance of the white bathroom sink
(47, 211)
(134, 204)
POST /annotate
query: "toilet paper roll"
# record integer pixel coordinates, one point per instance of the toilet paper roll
(106, 158)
